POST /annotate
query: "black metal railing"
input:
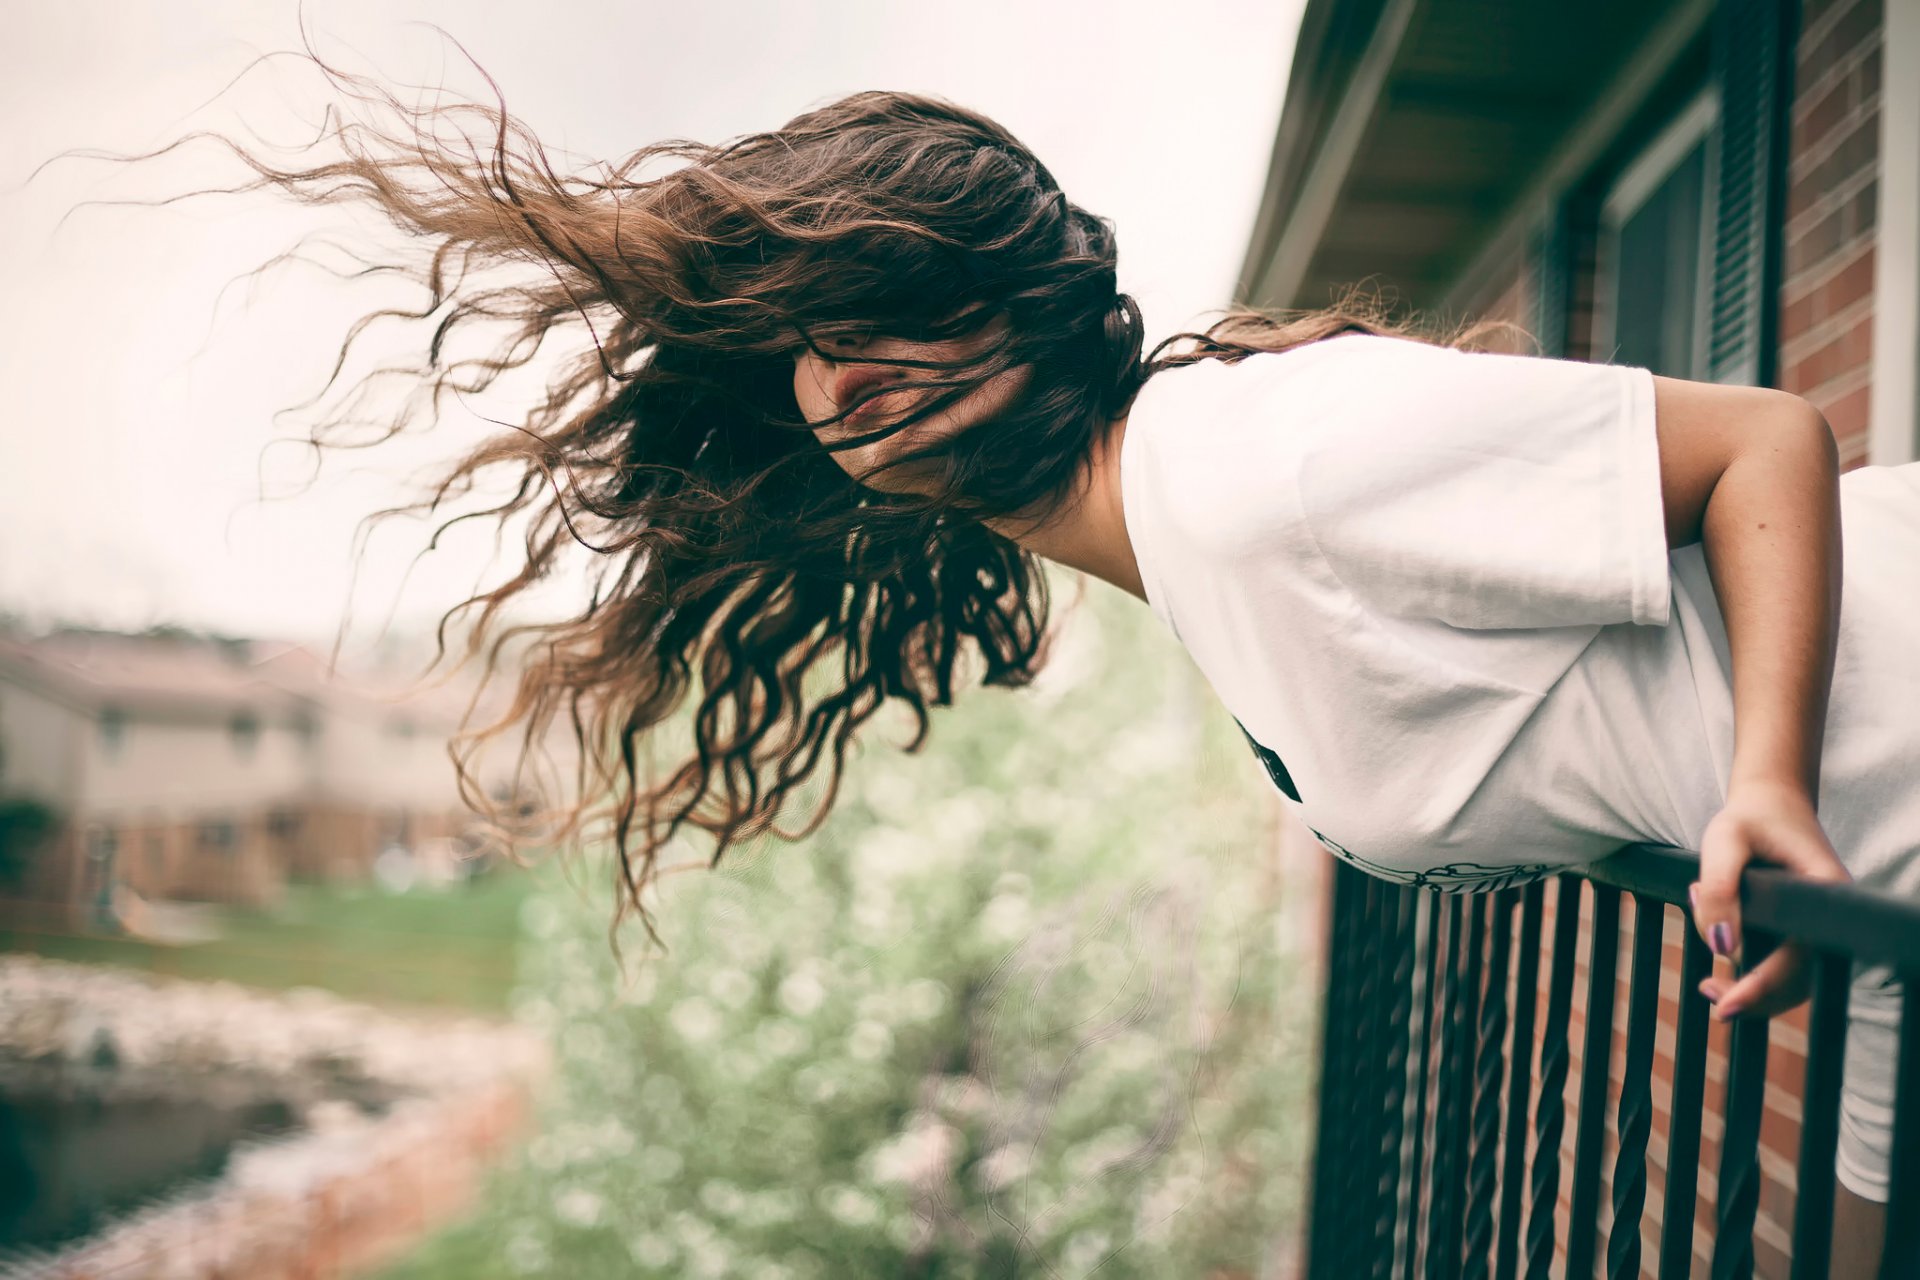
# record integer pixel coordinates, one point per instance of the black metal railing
(1444, 1109)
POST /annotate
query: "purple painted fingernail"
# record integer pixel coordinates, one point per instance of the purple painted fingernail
(1720, 938)
(1727, 1009)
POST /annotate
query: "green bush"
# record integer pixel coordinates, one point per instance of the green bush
(1020, 1006)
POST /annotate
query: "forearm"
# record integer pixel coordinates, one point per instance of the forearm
(1771, 536)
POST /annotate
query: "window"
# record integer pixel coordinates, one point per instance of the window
(217, 837)
(306, 728)
(245, 728)
(1654, 255)
(113, 731)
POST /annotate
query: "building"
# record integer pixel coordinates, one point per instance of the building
(181, 767)
(1714, 189)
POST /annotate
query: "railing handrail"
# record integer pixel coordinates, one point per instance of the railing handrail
(1862, 922)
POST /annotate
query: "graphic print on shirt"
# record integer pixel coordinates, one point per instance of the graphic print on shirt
(1271, 763)
(1450, 877)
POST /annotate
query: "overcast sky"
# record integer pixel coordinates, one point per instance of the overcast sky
(131, 463)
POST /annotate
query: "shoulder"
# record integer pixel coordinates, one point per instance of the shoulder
(1332, 381)
(1207, 445)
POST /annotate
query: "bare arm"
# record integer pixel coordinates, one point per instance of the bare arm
(1753, 474)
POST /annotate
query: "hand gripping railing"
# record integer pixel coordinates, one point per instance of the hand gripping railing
(1443, 1107)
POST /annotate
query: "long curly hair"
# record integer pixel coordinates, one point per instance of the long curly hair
(732, 560)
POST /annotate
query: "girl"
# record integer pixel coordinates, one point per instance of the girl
(1482, 616)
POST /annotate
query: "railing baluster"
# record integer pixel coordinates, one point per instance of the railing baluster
(1526, 995)
(1550, 1116)
(1465, 1047)
(1635, 1123)
(1336, 1046)
(1442, 1239)
(1820, 1117)
(1393, 1091)
(1430, 942)
(1350, 1217)
(1488, 1060)
(1368, 1216)
(1591, 1123)
(1356, 1221)
(1900, 1258)
(1739, 1189)
(1683, 1110)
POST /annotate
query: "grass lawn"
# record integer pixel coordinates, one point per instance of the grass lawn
(450, 948)
(460, 1252)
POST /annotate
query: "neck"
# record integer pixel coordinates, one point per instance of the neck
(1090, 533)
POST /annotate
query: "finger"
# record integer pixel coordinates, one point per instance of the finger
(1714, 988)
(1775, 985)
(1724, 853)
(1720, 976)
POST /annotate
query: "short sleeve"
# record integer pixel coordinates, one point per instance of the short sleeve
(1486, 490)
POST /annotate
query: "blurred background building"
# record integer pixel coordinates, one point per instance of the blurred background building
(178, 766)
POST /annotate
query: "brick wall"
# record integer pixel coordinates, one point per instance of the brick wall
(1826, 317)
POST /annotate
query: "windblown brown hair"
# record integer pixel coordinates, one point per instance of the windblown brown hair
(732, 560)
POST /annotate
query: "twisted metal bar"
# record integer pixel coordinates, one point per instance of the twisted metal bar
(1393, 1099)
(1369, 1219)
(1603, 961)
(1430, 945)
(1740, 1142)
(1338, 1110)
(1526, 996)
(1900, 1254)
(1335, 1042)
(1447, 1103)
(1820, 1117)
(1473, 941)
(1550, 1116)
(1635, 1123)
(1489, 1063)
(1456, 1054)
(1683, 1111)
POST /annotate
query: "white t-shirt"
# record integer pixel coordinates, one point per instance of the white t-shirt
(1434, 588)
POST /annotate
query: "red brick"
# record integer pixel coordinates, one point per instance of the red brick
(1843, 353)
(1867, 76)
(1855, 153)
(1779, 1133)
(1828, 112)
(1818, 297)
(1859, 25)
(1785, 1069)
(1767, 1260)
(1847, 414)
(1864, 209)
(1813, 12)
(1816, 243)
(1796, 317)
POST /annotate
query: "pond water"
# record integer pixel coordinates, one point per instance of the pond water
(73, 1154)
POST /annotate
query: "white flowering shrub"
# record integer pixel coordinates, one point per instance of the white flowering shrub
(1019, 1007)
